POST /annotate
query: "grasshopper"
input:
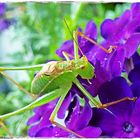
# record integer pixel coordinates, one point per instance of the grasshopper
(55, 79)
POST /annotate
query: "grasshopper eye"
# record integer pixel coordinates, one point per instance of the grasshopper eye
(82, 67)
(35, 74)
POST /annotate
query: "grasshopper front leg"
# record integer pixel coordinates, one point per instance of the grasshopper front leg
(86, 93)
(65, 89)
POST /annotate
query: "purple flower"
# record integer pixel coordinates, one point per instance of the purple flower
(134, 75)
(136, 58)
(76, 120)
(101, 76)
(122, 33)
(126, 33)
(2, 9)
(123, 122)
(85, 45)
(4, 24)
(4, 21)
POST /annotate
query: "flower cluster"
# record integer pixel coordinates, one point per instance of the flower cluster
(120, 119)
(4, 21)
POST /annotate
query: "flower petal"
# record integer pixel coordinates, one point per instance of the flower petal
(132, 44)
(132, 27)
(122, 23)
(135, 8)
(78, 120)
(67, 46)
(135, 118)
(105, 120)
(134, 75)
(43, 122)
(107, 28)
(33, 119)
(110, 124)
(115, 62)
(91, 30)
(114, 90)
(136, 58)
(71, 123)
(90, 132)
(4, 24)
(52, 132)
(2, 8)
(83, 119)
(64, 107)
(135, 87)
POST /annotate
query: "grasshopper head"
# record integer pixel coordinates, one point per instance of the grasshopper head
(86, 70)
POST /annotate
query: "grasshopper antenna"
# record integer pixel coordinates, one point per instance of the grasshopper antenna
(94, 42)
(89, 39)
(75, 41)
(73, 37)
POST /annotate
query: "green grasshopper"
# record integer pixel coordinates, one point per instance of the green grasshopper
(54, 81)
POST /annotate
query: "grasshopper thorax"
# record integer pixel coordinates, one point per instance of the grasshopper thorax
(79, 63)
(48, 68)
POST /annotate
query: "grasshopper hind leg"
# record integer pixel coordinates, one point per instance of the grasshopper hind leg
(106, 105)
(2, 124)
(17, 84)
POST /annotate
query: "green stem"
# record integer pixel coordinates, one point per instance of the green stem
(87, 94)
(75, 46)
(35, 67)
(48, 97)
(79, 10)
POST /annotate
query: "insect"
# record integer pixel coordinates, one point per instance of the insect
(55, 79)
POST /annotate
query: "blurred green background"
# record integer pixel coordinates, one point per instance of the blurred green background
(37, 31)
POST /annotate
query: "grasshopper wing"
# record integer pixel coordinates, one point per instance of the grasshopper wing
(45, 84)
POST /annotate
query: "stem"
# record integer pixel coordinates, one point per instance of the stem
(75, 46)
(87, 94)
(35, 67)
